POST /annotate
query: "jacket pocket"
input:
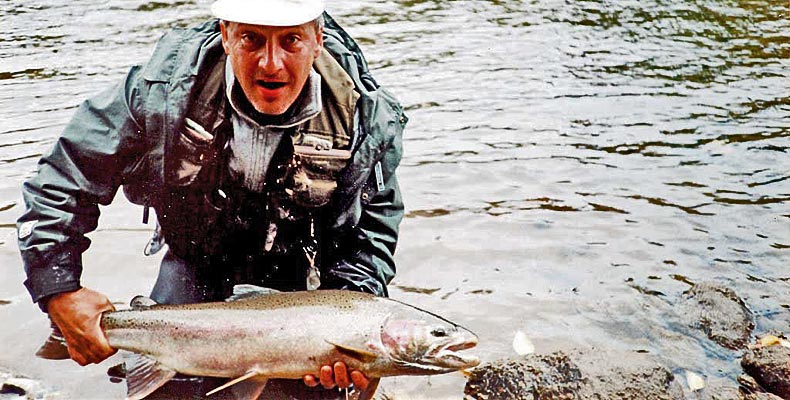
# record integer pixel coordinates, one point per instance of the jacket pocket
(192, 149)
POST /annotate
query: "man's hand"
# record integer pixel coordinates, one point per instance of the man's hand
(78, 315)
(337, 375)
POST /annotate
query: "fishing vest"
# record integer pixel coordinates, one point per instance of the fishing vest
(230, 234)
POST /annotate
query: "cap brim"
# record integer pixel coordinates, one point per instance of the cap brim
(269, 13)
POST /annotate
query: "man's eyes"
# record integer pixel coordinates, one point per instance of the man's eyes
(250, 39)
(292, 40)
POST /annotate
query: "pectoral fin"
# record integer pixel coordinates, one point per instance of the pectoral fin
(369, 391)
(144, 375)
(359, 354)
(257, 384)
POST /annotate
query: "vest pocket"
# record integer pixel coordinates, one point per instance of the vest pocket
(192, 149)
(315, 173)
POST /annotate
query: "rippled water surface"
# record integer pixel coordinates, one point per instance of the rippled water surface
(570, 166)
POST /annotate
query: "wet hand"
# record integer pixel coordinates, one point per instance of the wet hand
(337, 375)
(78, 315)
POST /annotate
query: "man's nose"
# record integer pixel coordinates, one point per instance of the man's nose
(272, 60)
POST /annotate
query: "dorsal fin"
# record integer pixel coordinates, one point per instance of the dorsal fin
(241, 292)
(141, 303)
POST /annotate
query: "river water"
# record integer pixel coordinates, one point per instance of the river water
(570, 166)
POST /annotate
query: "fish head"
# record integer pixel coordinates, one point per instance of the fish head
(427, 344)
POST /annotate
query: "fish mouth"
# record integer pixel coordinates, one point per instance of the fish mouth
(466, 344)
(456, 361)
(448, 356)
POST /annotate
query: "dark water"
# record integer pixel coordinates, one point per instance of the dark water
(570, 166)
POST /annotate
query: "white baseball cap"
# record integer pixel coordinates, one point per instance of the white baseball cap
(268, 12)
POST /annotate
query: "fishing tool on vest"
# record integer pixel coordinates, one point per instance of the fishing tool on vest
(310, 249)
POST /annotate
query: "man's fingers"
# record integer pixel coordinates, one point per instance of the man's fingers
(341, 375)
(106, 353)
(87, 349)
(360, 380)
(310, 380)
(99, 347)
(77, 357)
(326, 378)
(78, 315)
(79, 350)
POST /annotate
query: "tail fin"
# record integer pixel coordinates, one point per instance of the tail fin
(54, 348)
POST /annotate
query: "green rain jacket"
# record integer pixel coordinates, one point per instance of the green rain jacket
(123, 136)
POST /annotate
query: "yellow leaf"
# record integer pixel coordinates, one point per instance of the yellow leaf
(466, 372)
(769, 340)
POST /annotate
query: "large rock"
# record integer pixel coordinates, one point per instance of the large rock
(552, 376)
(578, 374)
(718, 312)
(770, 367)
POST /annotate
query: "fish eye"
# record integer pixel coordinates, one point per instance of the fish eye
(439, 332)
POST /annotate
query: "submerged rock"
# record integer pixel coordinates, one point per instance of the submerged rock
(721, 393)
(578, 374)
(761, 396)
(728, 391)
(15, 386)
(770, 368)
(719, 312)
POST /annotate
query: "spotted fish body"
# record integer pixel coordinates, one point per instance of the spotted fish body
(285, 335)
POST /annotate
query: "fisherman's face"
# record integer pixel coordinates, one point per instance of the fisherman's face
(271, 63)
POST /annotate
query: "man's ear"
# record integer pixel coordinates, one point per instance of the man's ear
(320, 40)
(223, 28)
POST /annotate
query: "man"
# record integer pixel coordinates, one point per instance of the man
(267, 151)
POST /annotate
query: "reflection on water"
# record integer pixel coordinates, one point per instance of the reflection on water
(578, 162)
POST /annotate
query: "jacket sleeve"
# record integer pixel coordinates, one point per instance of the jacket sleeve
(83, 170)
(363, 256)
(366, 255)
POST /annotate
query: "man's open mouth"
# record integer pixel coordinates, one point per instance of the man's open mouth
(271, 85)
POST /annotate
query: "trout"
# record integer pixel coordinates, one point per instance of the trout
(260, 334)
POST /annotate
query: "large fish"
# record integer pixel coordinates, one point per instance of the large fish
(260, 335)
